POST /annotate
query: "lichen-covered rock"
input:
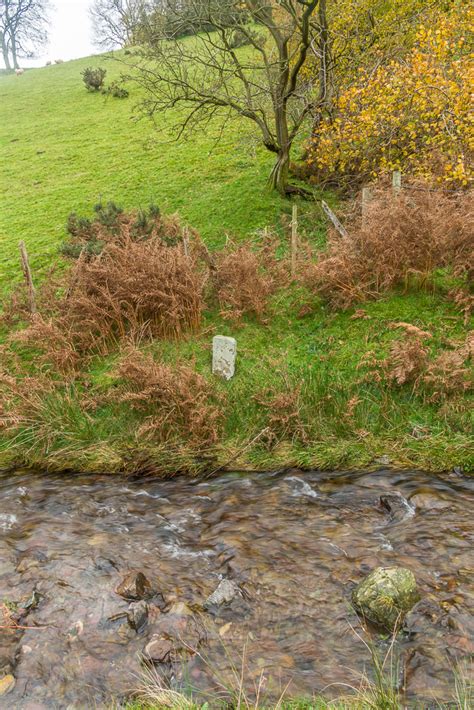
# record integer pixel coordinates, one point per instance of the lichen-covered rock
(386, 595)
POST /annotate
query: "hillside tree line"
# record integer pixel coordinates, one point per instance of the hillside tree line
(23, 29)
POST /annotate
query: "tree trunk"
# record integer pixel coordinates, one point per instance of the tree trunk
(279, 175)
(280, 171)
(6, 58)
(14, 57)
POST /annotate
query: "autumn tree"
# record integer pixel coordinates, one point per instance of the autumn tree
(23, 29)
(208, 77)
(409, 110)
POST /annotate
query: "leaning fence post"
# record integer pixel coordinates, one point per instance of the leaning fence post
(294, 240)
(25, 264)
(337, 225)
(396, 181)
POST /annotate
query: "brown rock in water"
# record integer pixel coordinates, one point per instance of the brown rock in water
(7, 683)
(137, 615)
(134, 586)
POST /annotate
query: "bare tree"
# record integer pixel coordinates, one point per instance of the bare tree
(208, 77)
(115, 23)
(23, 29)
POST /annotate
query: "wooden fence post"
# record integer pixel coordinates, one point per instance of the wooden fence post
(186, 241)
(25, 264)
(294, 240)
(366, 197)
(396, 181)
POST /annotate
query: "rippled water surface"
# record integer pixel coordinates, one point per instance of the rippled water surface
(295, 544)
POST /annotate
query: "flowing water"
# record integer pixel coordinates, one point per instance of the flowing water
(294, 543)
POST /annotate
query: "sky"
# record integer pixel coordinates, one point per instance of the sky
(70, 33)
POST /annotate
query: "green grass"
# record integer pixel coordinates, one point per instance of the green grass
(61, 148)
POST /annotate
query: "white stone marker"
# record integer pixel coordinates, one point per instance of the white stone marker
(224, 351)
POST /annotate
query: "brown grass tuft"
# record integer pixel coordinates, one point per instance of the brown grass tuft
(283, 407)
(409, 362)
(243, 279)
(402, 237)
(408, 356)
(177, 401)
(451, 372)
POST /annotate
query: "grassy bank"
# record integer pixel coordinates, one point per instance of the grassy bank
(301, 395)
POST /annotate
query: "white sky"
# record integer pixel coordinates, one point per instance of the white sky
(70, 33)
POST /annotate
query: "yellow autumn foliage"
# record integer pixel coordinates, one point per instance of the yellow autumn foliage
(412, 113)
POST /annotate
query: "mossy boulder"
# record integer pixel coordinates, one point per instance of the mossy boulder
(385, 596)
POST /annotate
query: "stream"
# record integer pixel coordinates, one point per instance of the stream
(293, 545)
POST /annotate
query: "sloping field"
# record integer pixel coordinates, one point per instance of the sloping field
(63, 149)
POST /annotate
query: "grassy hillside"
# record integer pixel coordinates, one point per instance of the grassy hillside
(62, 149)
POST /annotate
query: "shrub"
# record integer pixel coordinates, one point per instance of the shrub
(178, 403)
(93, 78)
(401, 237)
(116, 90)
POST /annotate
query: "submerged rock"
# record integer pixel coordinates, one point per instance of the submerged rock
(159, 650)
(178, 634)
(134, 586)
(398, 507)
(137, 615)
(7, 683)
(386, 595)
(226, 591)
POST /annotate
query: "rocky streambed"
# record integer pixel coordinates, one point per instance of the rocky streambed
(99, 575)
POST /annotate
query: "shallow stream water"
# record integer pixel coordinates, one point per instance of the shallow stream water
(295, 544)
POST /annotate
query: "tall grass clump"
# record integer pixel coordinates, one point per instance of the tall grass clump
(243, 279)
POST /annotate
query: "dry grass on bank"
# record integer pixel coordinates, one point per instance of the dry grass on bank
(174, 401)
(402, 238)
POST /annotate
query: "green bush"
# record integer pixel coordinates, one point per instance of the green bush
(119, 92)
(93, 78)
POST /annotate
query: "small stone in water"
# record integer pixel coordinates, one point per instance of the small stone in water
(134, 586)
(225, 592)
(137, 615)
(158, 649)
(7, 683)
